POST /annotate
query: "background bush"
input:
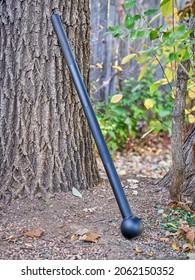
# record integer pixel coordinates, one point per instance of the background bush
(129, 118)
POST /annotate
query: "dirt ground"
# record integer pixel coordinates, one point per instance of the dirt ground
(88, 227)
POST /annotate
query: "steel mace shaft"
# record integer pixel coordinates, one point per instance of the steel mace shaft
(131, 226)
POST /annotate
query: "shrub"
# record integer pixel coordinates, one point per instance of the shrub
(129, 118)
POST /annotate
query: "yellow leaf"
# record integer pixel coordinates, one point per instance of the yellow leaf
(99, 65)
(143, 71)
(191, 118)
(90, 237)
(163, 81)
(187, 111)
(169, 74)
(116, 98)
(175, 247)
(150, 254)
(128, 58)
(117, 68)
(138, 250)
(173, 92)
(191, 93)
(148, 104)
(155, 62)
(166, 7)
(175, 14)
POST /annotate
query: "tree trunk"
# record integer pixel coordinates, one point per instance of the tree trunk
(180, 179)
(177, 131)
(45, 143)
(189, 172)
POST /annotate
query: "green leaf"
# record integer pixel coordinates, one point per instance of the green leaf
(186, 56)
(153, 35)
(137, 17)
(150, 12)
(179, 33)
(173, 56)
(166, 7)
(164, 113)
(154, 86)
(129, 4)
(129, 22)
(143, 71)
(141, 33)
(116, 31)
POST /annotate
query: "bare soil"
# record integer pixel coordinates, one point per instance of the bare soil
(71, 227)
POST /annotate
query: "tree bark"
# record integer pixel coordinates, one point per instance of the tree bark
(45, 143)
(188, 190)
(177, 131)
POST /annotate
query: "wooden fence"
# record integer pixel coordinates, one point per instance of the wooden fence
(107, 51)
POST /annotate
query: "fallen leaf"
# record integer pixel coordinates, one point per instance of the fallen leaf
(90, 210)
(90, 237)
(133, 181)
(164, 215)
(184, 228)
(175, 247)
(187, 247)
(138, 250)
(185, 207)
(170, 234)
(149, 131)
(164, 239)
(150, 254)
(190, 235)
(171, 224)
(135, 192)
(76, 193)
(82, 231)
(133, 186)
(28, 246)
(34, 233)
(74, 237)
(161, 211)
(11, 238)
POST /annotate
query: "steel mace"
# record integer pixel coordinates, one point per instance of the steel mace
(131, 226)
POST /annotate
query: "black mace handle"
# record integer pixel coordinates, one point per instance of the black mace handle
(131, 226)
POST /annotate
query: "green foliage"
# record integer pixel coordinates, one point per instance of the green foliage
(129, 118)
(171, 44)
(129, 21)
(129, 4)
